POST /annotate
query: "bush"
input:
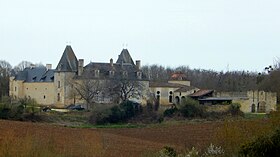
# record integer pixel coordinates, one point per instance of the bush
(190, 108)
(8, 111)
(263, 146)
(169, 112)
(116, 114)
(168, 152)
(234, 109)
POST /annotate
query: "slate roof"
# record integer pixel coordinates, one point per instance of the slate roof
(36, 74)
(125, 57)
(105, 68)
(166, 84)
(68, 61)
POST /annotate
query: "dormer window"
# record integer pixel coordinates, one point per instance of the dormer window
(139, 75)
(60, 66)
(34, 79)
(111, 73)
(125, 74)
(96, 73)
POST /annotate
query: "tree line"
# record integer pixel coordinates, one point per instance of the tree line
(235, 81)
(6, 70)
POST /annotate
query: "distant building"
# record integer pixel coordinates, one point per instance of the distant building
(172, 91)
(54, 87)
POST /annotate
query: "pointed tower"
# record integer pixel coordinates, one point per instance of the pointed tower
(68, 61)
(125, 58)
(65, 71)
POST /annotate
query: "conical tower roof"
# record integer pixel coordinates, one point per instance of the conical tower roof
(125, 57)
(68, 61)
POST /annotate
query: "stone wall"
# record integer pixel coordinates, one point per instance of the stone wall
(64, 90)
(164, 94)
(252, 101)
(42, 92)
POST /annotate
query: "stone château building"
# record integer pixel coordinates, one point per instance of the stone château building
(54, 87)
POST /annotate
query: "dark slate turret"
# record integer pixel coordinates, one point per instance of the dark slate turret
(125, 58)
(68, 61)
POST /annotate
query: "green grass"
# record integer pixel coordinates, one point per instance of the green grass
(255, 115)
(109, 126)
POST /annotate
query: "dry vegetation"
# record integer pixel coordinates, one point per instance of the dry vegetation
(22, 139)
(25, 139)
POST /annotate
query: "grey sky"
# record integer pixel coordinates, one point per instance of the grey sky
(208, 34)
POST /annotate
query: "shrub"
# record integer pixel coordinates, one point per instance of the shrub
(5, 113)
(234, 109)
(213, 150)
(8, 111)
(267, 145)
(99, 118)
(168, 152)
(192, 153)
(116, 114)
(190, 108)
(169, 112)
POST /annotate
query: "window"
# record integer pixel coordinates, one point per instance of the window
(58, 96)
(170, 97)
(96, 73)
(111, 73)
(44, 97)
(15, 88)
(139, 75)
(58, 84)
(125, 74)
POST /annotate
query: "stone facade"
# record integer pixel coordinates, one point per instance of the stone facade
(172, 91)
(252, 101)
(54, 87)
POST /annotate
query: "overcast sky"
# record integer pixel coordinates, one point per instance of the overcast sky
(208, 34)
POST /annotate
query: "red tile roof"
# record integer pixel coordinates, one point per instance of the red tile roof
(179, 76)
(201, 92)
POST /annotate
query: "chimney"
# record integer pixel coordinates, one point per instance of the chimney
(138, 64)
(80, 67)
(32, 66)
(111, 62)
(49, 66)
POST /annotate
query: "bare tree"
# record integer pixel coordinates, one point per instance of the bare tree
(89, 89)
(5, 72)
(22, 65)
(125, 89)
(5, 68)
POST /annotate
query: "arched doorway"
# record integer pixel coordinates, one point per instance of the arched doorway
(157, 101)
(253, 108)
(262, 105)
(183, 98)
(177, 100)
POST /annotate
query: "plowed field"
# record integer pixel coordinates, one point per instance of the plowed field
(37, 139)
